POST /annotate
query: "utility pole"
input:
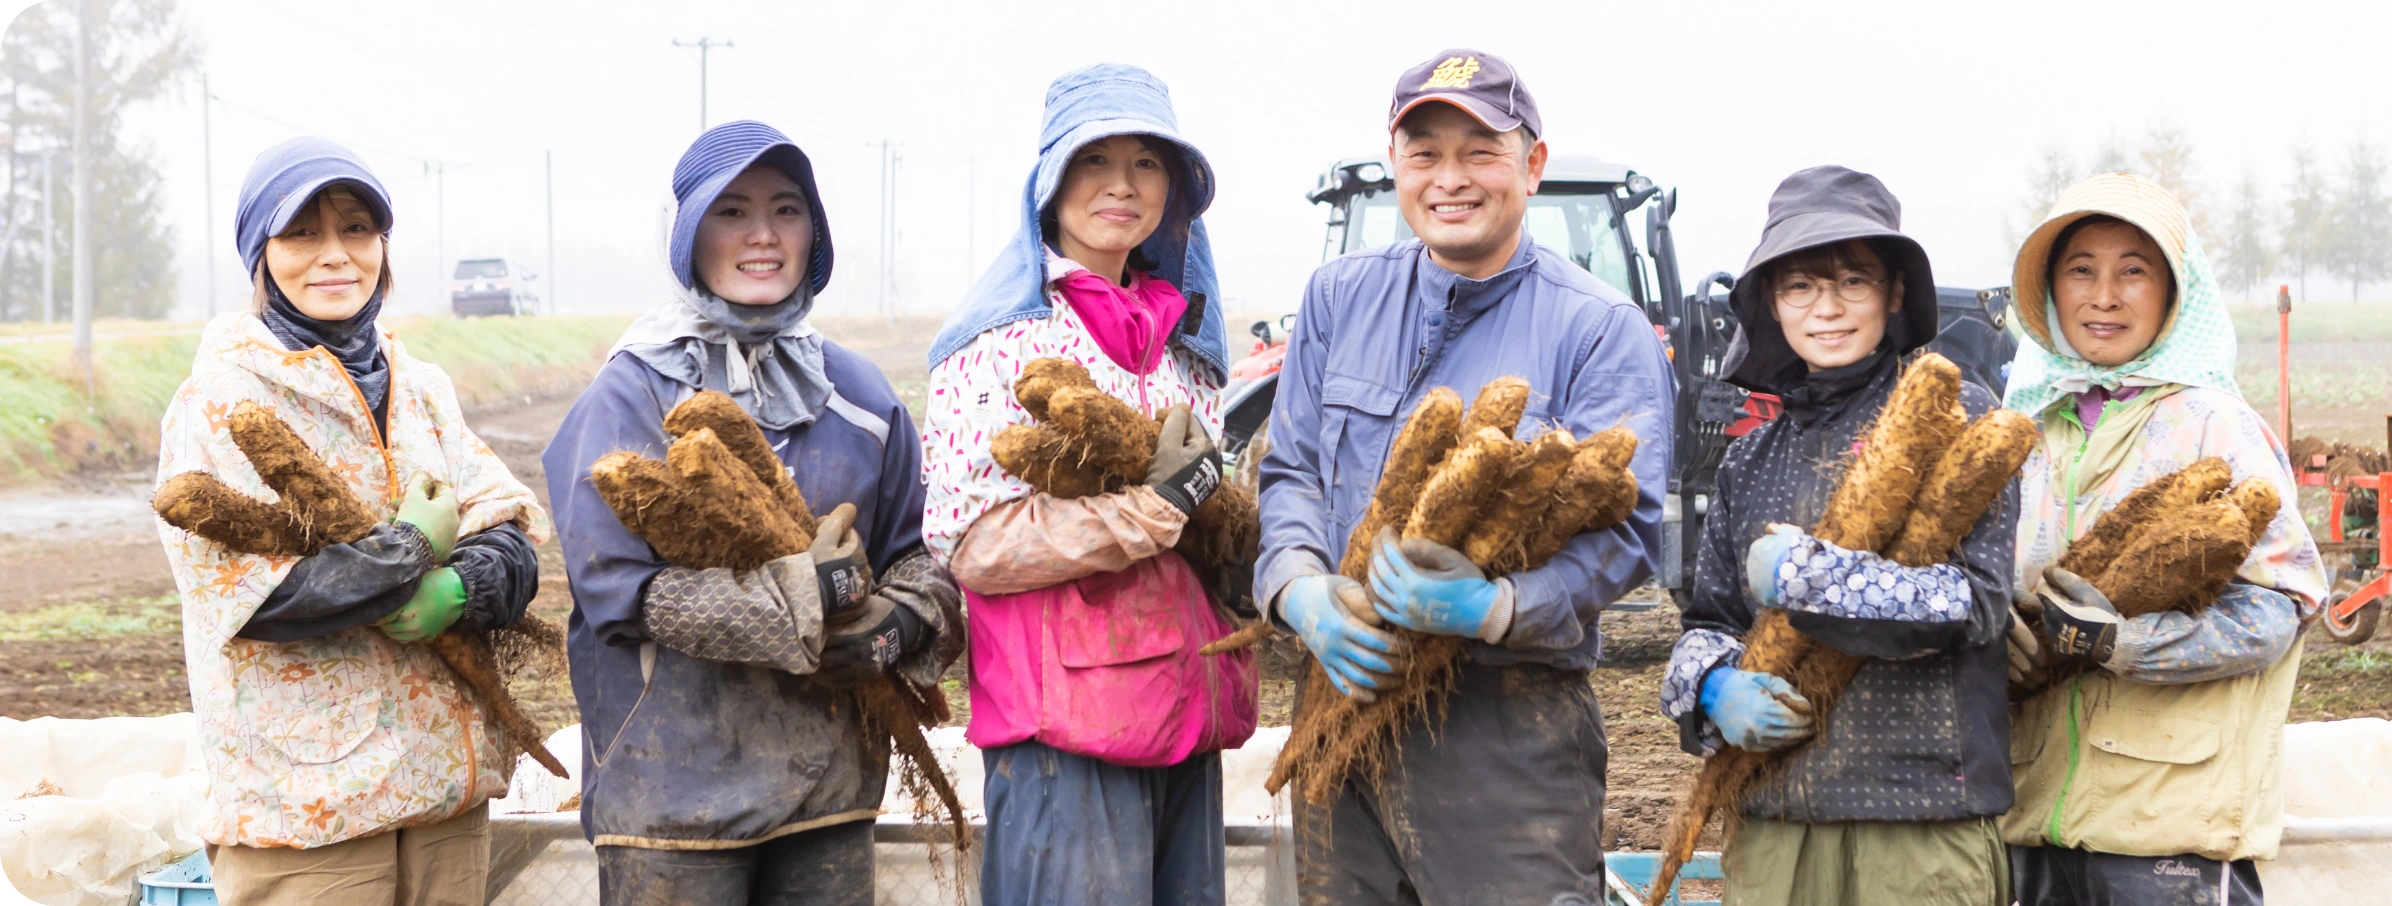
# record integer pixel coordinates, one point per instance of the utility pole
(703, 45)
(438, 170)
(49, 243)
(548, 163)
(207, 179)
(891, 157)
(83, 196)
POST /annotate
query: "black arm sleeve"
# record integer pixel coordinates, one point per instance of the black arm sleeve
(501, 572)
(344, 586)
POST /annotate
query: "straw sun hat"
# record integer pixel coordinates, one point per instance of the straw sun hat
(2138, 201)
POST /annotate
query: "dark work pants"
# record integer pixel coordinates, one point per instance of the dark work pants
(830, 866)
(2051, 876)
(1069, 830)
(1500, 802)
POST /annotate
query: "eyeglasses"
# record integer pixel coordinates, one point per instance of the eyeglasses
(1802, 290)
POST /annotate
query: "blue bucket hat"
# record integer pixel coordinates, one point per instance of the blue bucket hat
(284, 178)
(719, 156)
(1083, 106)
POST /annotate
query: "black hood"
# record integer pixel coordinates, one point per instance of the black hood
(1816, 207)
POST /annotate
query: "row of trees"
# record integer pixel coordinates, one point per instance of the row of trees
(139, 50)
(2332, 217)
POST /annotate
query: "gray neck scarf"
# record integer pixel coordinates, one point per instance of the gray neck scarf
(765, 356)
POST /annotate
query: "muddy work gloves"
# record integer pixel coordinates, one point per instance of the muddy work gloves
(1762, 559)
(431, 507)
(1186, 469)
(438, 602)
(2078, 620)
(866, 640)
(1333, 616)
(1428, 587)
(1756, 712)
(839, 566)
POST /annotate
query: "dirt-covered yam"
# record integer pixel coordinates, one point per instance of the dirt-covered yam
(1042, 377)
(740, 434)
(2258, 500)
(318, 498)
(742, 516)
(2180, 562)
(2091, 554)
(1963, 485)
(1450, 503)
(1107, 433)
(1046, 460)
(1597, 492)
(1427, 437)
(1499, 405)
(1499, 541)
(1920, 419)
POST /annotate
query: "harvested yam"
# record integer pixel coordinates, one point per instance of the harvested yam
(1107, 432)
(1892, 483)
(1920, 419)
(1044, 458)
(1962, 486)
(1499, 405)
(1597, 492)
(198, 503)
(744, 520)
(320, 499)
(1042, 377)
(2090, 555)
(1502, 532)
(2258, 500)
(1225, 529)
(745, 439)
(469, 655)
(1430, 434)
(2180, 562)
(1450, 503)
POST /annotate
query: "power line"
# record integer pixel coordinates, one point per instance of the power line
(703, 45)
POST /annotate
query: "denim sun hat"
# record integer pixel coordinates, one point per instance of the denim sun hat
(284, 178)
(719, 156)
(1083, 106)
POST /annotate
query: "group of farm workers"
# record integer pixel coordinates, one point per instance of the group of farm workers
(722, 757)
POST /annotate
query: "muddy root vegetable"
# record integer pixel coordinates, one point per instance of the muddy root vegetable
(1042, 377)
(1501, 536)
(1962, 486)
(319, 498)
(1047, 461)
(1427, 437)
(2091, 554)
(745, 439)
(1499, 405)
(469, 655)
(1450, 503)
(2180, 562)
(1597, 492)
(1107, 432)
(2258, 500)
(198, 503)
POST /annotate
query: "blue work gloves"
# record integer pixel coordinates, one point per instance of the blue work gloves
(1762, 559)
(1333, 617)
(1427, 587)
(1756, 712)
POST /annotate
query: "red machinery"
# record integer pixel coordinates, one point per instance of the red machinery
(2356, 603)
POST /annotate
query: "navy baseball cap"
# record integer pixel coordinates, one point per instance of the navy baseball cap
(1481, 84)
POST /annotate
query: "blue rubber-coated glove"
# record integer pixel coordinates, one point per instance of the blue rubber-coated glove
(1329, 614)
(1762, 559)
(1756, 712)
(1427, 587)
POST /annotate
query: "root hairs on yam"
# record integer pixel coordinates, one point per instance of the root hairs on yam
(1920, 419)
(745, 439)
(1107, 432)
(1500, 539)
(2090, 555)
(1428, 436)
(1962, 486)
(1597, 492)
(1449, 504)
(2180, 562)
(1499, 405)
(738, 511)
(1044, 459)
(1042, 377)
(2258, 500)
(469, 656)
(198, 503)
(318, 498)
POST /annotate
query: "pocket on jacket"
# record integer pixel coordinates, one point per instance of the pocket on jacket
(1343, 399)
(317, 700)
(1138, 621)
(2151, 762)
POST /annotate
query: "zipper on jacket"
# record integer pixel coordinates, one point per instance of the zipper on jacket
(2076, 697)
(390, 467)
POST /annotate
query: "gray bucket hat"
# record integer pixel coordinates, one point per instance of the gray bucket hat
(1818, 207)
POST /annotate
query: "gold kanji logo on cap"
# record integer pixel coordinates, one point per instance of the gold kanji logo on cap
(1455, 72)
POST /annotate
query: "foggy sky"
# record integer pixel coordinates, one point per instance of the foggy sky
(1948, 104)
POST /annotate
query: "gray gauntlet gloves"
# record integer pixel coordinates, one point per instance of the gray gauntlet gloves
(770, 616)
(1186, 469)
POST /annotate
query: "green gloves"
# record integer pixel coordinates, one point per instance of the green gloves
(439, 601)
(431, 506)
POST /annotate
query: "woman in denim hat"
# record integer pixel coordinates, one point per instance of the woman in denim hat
(1100, 723)
(723, 760)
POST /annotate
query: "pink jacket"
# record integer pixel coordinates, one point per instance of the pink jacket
(1084, 624)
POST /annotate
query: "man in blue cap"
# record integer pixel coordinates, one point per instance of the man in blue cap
(1497, 795)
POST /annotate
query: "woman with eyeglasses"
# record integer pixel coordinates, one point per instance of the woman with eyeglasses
(1897, 796)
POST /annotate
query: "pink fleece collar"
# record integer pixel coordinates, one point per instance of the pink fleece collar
(1131, 324)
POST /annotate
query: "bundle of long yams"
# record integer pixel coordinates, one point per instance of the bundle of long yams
(1921, 479)
(721, 499)
(1460, 480)
(314, 510)
(1087, 442)
(2175, 542)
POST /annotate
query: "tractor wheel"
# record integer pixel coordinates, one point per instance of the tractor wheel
(2360, 626)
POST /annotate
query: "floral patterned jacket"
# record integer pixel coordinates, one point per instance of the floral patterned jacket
(315, 742)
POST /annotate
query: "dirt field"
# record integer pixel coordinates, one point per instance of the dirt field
(90, 627)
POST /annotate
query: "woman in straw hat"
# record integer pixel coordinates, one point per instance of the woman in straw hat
(2153, 778)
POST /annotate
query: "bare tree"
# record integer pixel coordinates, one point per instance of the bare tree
(2050, 176)
(2360, 245)
(139, 50)
(2110, 157)
(2244, 254)
(2167, 159)
(2307, 229)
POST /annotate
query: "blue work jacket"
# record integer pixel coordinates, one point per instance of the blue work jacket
(1381, 328)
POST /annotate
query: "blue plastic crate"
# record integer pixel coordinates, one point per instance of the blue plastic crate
(1634, 872)
(184, 883)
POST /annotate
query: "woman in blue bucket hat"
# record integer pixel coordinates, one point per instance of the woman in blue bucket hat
(1100, 724)
(345, 762)
(723, 759)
